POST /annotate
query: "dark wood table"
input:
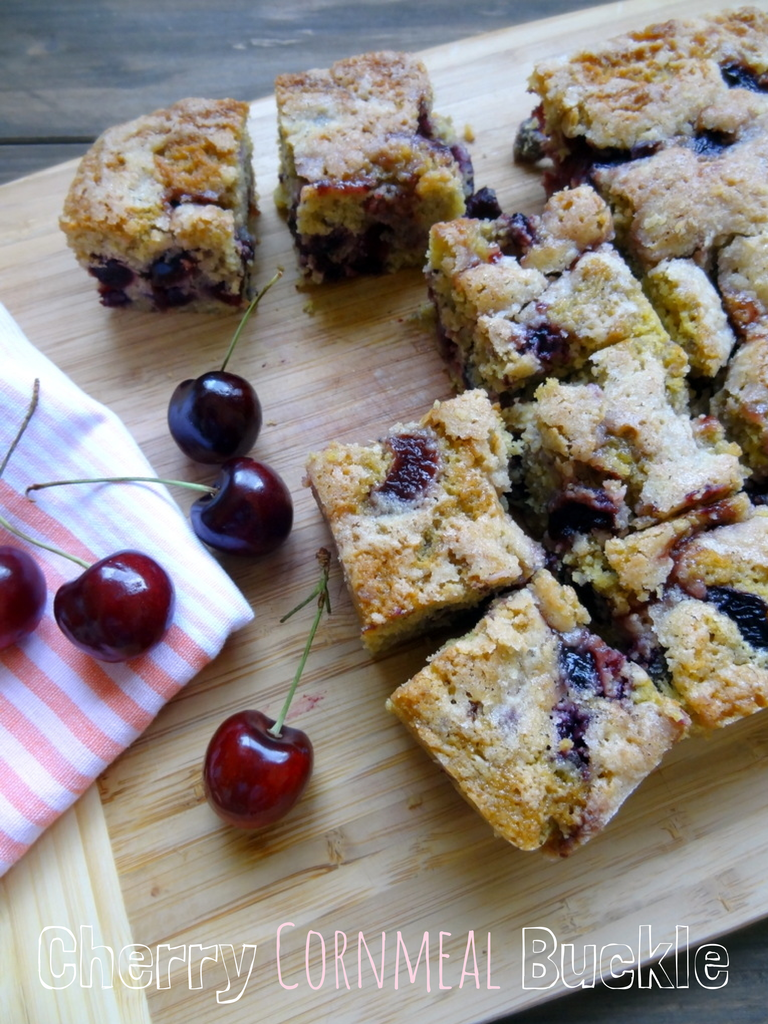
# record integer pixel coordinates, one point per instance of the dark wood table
(71, 68)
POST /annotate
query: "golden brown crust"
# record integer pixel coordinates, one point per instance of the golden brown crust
(654, 84)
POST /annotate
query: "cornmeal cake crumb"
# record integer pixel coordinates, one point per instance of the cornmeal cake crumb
(620, 450)
(542, 726)
(162, 209)
(419, 518)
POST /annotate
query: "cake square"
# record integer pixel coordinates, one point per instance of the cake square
(619, 449)
(419, 518)
(366, 166)
(669, 123)
(162, 209)
(542, 726)
(691, 596)
(519, 298)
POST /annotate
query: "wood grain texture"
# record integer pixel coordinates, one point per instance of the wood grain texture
(381, 843)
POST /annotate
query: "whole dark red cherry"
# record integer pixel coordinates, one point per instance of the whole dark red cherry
(251, 777)
(217, 416)
(250, 511)
(117, 608)
(22, 595)
(214, 417)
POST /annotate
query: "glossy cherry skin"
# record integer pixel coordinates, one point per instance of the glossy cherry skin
(251, 512)
(118, 608)
(214, 417)
(22, 595)
(252, 778)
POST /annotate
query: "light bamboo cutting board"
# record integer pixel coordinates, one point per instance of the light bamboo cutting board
(381, 845)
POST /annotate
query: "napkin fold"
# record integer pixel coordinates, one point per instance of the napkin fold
(63, 715)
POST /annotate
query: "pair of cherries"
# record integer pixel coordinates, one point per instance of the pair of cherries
(216, 418)
(118, 608)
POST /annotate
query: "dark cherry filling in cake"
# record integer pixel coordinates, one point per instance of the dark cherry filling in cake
(174, 279)
(461, 155)
(550, 344)
(591, 665)
(710, 143)
(739, 76)
(483, 205)
(343, 253)
(518, 235)
(571, 723)
(575, 167)
(652, 659)
(246, 247)
(413, 468)
(170, 269)
(112, 274)
(748, 611)
(581, 510)
(113, 298)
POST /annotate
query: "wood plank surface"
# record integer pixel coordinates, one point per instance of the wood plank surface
(70, 69)
(381, 845)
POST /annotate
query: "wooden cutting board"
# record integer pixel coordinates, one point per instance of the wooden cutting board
(381, 846)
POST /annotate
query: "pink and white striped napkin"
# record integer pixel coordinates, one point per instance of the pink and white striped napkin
(64, 716)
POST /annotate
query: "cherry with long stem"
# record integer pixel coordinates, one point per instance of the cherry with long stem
(256, 769)
(217, 416)
(247, 511)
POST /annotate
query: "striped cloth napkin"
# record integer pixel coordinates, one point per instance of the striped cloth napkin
(64, 716)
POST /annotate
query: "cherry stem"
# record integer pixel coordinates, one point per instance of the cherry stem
(251, 306)
(3, 521)
(125, 480)
(39, 544)
(323, 602)
(27, 417)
